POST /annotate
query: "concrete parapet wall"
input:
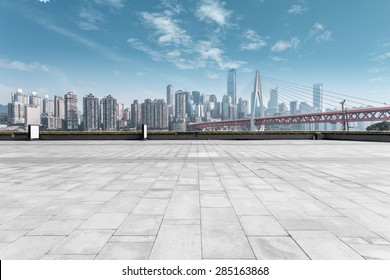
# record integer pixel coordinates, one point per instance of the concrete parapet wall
(277, 135)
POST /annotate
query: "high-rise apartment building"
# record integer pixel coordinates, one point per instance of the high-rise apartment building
(179, 122)
(71, 111)
(91, 112)
(318, 96)
(226, 104)
(59, 107)
(47, 106)
(16, 113)
(242, 108)
(232, 86)
(214, 113)
(160, 115)
(196, 97)
(273, 102)
(180, 101)
(108, 106)
(136, 117)
(147, 112)
(293, 107)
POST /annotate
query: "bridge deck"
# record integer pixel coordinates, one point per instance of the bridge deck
(194, 200)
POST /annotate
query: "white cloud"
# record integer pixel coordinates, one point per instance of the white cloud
(297, 10)
(210, 53)
(138, 45)
(212, 76)
(382, 58)
(90, 18)
(167, 28)
(22, 66)
(173, 6)
(281, 45)
(277, 58)
(320, 33)
(377, 79)
(111, 3)
(253, 41)
(213, 11)
(377, 70)
(197, 57)
(44, 1)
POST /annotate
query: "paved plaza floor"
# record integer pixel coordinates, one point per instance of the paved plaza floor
(194, 200)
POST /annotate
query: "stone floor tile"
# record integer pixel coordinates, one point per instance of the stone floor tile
(214, 200)
(10, 235)
(185, 196)
(183, 210)
(301, 224)
(68, 257)
(372, 252)
(104, 221)
(322, 245)
(178, 242)
(219, 218)
(225, 244)
(249, 207)
(56, 227)
(125, 251)
(262, 226)
(276, 248)
(29, 247)
(151, 207)
(132, 239)
(140, 225)
(101, 196)
(344, 226)
(83, 242)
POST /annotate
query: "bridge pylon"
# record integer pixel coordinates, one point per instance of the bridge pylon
(257, 97)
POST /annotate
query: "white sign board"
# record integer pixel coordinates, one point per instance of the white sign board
(33, 132)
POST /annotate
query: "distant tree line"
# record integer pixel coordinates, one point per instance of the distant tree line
(381, 126)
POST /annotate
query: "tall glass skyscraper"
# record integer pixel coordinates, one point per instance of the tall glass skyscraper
(232, 85)
(318, 96)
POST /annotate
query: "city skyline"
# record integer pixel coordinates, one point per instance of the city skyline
(118, 47)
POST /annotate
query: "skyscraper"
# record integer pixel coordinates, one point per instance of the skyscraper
(160, 115)
(318, 96)
(71, 112)
(226, 104)
(135, 115)
(170, 100)
(273, 101)
(179, 123)
(232, 85)
(196, 97)
(242, 108)
(91, 112)
(109, 115)
(147, 112)
(170, 95)
(213, 106)
(59, 107)
(293, 107)
(180, 101)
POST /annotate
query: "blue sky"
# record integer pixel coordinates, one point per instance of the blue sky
(133, 49)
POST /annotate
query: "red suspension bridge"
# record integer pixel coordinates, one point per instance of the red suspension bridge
(367, 114)
(368, 110)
